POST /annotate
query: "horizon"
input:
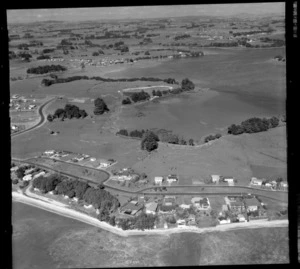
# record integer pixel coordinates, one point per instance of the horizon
(142, 12)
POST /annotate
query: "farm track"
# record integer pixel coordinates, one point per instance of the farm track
(40, 123)
(216, 190)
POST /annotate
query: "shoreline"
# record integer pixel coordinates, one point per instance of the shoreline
(70, 213)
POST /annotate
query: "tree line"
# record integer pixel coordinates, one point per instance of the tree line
(141, 222)
(98, 197)
(48, 82)
(253, 125)
(46, 69)
(212, 137)
(149, 138)
(70, 111)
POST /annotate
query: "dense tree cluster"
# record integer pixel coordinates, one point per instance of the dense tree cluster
(43, 57)
(48, 50)
(70, 111)
(100, 106)
(157, 93)
(212, 137)
(187, 85)
(48, 82)
(182, 37)
(140, 222)
(279, 58)
(140, 96)
(253, 125)
(99, 198)
(25, 56)
(46, 69)
(23, 46)
(149, 141)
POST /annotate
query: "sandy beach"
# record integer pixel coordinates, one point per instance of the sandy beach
(70, 213)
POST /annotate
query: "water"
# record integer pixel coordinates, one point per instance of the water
(242, 83)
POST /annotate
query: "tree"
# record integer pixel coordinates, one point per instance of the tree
(191, 142)
(187, 85)
(50, 117)
(126, 101)
(112, 221)
(100, 106)
(95, 53)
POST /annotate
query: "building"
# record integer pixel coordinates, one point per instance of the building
(13, 169)
(185, 206)
(49, 152)
(151, 208)
(191, 220)
(235, 203)
(27, 177)
(28, 171)
(252, 204)
(181, 222)
(201, 203)
(169, 200)
(215, 178)
(172, 178)
(158, 180)
(39, 174)
(256, 182)
(284, 185)
(224, 208)
(241, 218)
(229, 180)
(222, 220)
(131, 208)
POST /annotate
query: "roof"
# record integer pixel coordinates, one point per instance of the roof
(151, 206)
(252, 202)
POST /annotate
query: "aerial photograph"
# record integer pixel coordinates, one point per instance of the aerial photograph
(148, 136)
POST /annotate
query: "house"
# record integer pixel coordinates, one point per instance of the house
(39, 174)
(172, 178)
(235, 203)
(27, 177)
(151, 208)
(169, 200)
(252, 204)
(222, 220)
(229, 180)
(13, 169)
(224, 208)
(92, 159)
(14, 127)
(49, 152)
(284, 185)
(201, 203)
(131, 208)
(241, 218)
(158, 180)
(185, 206)
(123, 177)
(180, 222)
(215, 178)
(28, 171)
(256, 182)
(269, 185)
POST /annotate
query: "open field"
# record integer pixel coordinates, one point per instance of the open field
(76, 170)
(229, 156)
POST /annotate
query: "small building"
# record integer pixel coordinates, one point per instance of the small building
(15, 168)
(224, 208)
(172, 178)
(158, 180)
(269, 185)
(284, 185)
(241, 218)
(28, 171)
(151, 208)
(181, 222)
(92, 159)
(169, 200)
(229, 180)
(39, 174)
(252, 204)
(223, 220)
(215, 178)
(185, 206)
(201, 203)
(27, 177)
(256, 182)
(130, 208)
(235, 203)
(49, 152)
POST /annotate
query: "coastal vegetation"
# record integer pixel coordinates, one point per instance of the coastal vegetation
(69, 112)
(46, 69)
(149, 141)
(253, 125)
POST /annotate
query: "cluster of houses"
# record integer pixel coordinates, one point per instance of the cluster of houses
(29, 174)
(125, 174)
(103, 62)
(165, 208)
(21, 103)
(169, 179)
(79, 158)
(269, 184)
(241, 209)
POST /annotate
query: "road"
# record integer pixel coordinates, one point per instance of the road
(43, 119)
(208, 189)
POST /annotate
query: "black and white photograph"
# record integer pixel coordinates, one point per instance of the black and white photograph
(148, 136)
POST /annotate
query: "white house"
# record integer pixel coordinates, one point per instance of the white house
(256, 182)
(224, 221)
(215, 178)
(28, 171)
(241, 218)
(184, 206)
(172, 178)
(27, 177)
(268, 185)
(284, 184)
(13, 169)
(158, 180)
(180, 222)
(49, 152)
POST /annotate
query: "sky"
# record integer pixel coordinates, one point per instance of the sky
(141, 12)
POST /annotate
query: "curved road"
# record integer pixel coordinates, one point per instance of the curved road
(41, 122)
(217, 190)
